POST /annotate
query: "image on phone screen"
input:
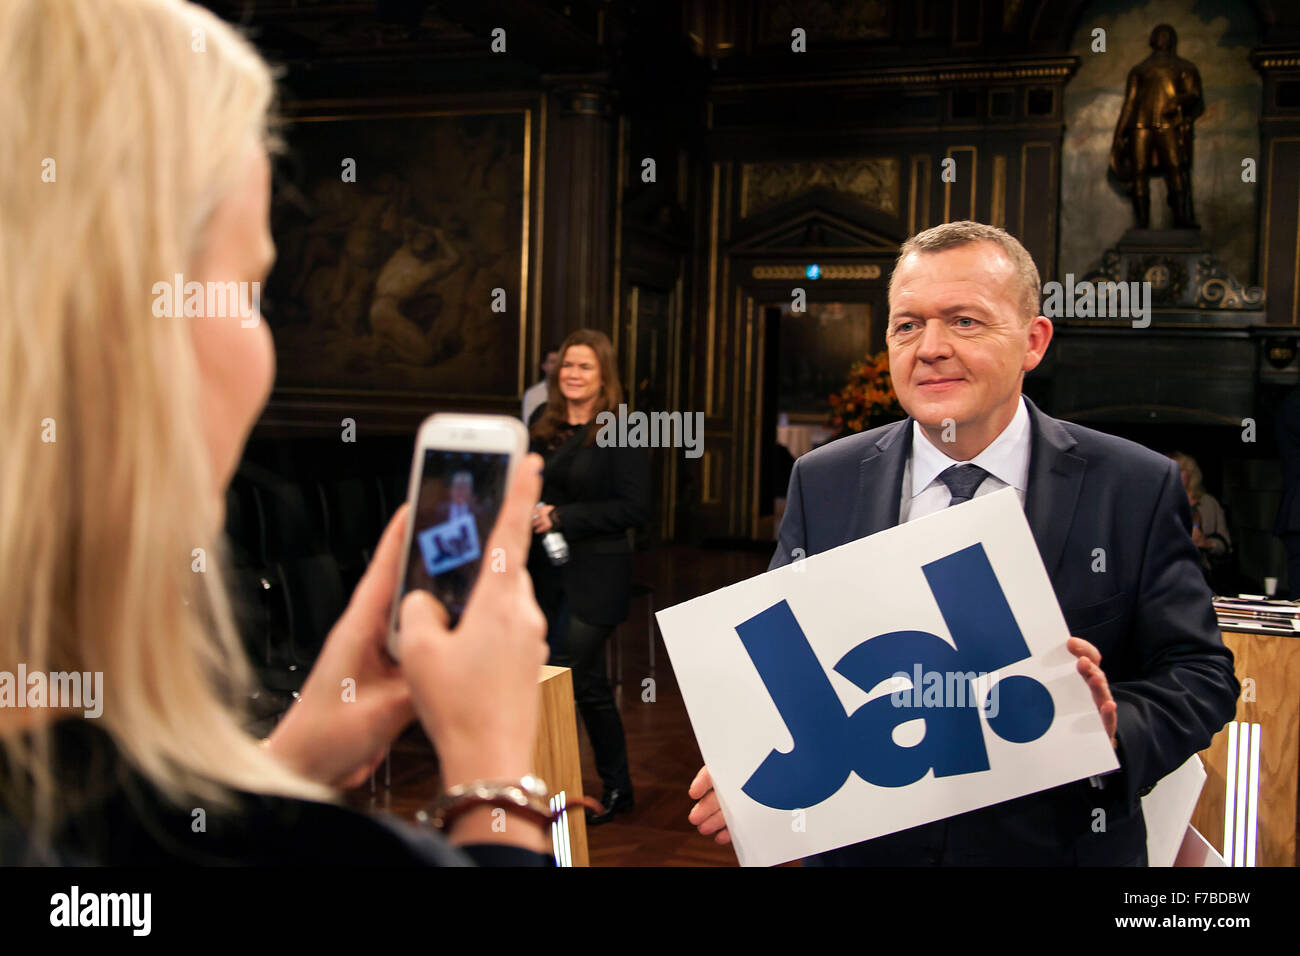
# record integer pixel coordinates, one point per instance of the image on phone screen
(455, 508)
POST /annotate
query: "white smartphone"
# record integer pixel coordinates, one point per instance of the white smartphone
(459, 475)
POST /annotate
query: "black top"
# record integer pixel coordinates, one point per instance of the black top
(599, 493)
(121, 819)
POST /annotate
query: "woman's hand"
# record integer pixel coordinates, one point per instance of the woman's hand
(355, 701)
(542, 519)
(475, 688)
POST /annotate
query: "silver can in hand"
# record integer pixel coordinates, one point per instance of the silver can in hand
(557, 549)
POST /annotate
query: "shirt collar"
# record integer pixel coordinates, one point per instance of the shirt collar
(1006, 458)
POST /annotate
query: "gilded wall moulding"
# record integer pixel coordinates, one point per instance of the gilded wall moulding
(872, 181)
(841, 271)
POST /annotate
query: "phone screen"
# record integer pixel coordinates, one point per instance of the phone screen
(455, 509)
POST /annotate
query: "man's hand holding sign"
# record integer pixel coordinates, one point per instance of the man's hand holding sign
(914, 698)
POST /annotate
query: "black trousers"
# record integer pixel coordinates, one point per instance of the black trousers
(580, 646)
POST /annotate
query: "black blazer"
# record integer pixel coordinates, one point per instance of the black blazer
(599, 494)
(1150, 615)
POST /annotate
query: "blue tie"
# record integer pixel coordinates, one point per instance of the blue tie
(962, 480)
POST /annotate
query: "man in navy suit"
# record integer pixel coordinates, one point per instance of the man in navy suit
(1111, 522)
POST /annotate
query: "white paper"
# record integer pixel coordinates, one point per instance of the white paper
(840, 599)
(1198, 851)
(1168, 810)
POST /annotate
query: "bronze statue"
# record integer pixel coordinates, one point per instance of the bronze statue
(1154, 133)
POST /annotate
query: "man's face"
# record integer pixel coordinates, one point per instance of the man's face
(958, 345)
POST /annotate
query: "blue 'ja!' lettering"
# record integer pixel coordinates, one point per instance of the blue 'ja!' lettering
(830, 744)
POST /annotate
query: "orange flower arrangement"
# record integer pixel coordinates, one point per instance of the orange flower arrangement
(869, 394)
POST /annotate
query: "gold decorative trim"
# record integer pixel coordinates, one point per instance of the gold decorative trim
(669, 517)
(619, 183)
(871, 180)
(1295, 270)
(905, 77)
(753, 384)
(524, 257)
(838, 271)
(974, 181)
(629, 374)
(1268, 211)
(727, 315)
(541, 246)
(713, 291)
(998, 200)
(1024, 177)
(979, 27)
(919, 192)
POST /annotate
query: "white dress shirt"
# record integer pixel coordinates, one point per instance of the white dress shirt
(1006, 459)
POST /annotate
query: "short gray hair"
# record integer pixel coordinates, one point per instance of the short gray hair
(950, 234)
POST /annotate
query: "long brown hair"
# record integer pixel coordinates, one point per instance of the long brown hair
(556, 414)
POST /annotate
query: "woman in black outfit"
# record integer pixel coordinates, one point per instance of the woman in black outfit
(593, 495)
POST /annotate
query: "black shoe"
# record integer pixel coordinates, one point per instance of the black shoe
(618, 800)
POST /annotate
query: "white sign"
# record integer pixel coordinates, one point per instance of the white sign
(812, 740)
(449, 545)
(1168, 810)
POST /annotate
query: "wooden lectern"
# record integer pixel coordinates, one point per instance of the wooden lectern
(556, 761)
(1248, 803)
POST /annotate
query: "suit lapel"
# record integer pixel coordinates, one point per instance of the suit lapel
(880, 482)
(1055, 480)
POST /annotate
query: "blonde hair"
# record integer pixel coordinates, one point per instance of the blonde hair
(126, 122)
(1195, 480)
(950, 234)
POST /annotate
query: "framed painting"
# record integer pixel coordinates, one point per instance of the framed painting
(401, 278)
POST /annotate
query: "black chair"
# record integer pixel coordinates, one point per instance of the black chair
(262, 613)
(251, 609)
(393, 489)
(296, 524)
(315, 598)
(245, 524)
(355, 516)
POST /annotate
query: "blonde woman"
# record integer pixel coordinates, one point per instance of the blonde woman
(1209, 523)
(134, 149)
(1209, 526)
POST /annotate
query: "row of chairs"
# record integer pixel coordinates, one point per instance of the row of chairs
(297, 551)
(269, 519)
